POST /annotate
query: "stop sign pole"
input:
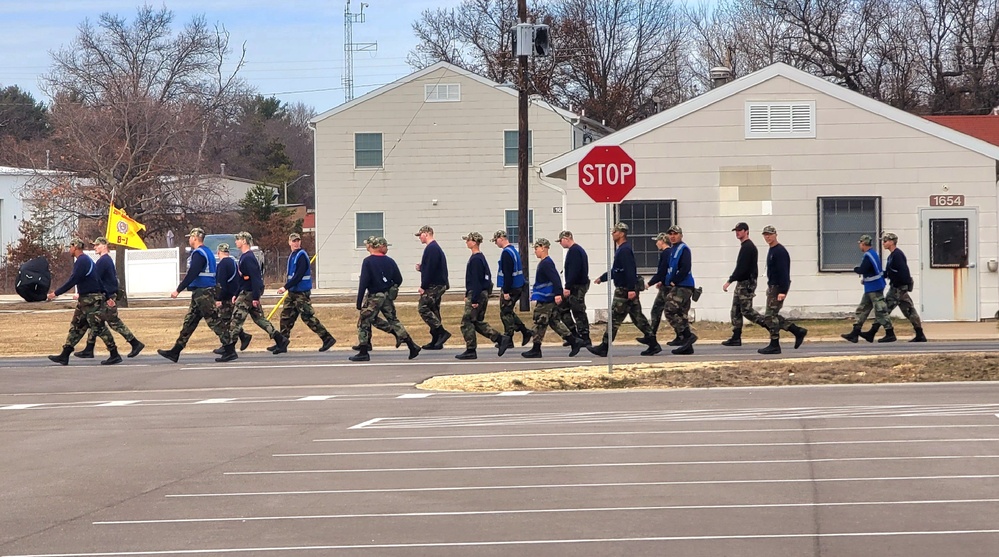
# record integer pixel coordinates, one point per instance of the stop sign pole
(607, 175)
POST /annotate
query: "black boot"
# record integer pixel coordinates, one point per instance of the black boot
(736, 339)
(361, 356)
(281, 343)
(889, 336)
(433, 340)
(869, 335)
(63, 358)
(505, 343)
(244, 340)
(677, 340)
(414, 349)
(772, 348)
(527, 334)
(799, 334)
(229, 354)
(534, 352)
(137, 347)
(468, 354)
(442, 336)
(654, 347)
(598, 350)
(854, 335)
(359, 347)
(87, 352)
(576, 343)
(173, 354)
(220, 350)
(113, 358)
(328, 342)
(689, 338)
(919, 336)
(398, 341)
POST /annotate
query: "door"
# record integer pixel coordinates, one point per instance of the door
(948, 250)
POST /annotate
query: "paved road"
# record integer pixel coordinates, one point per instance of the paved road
(308, 454)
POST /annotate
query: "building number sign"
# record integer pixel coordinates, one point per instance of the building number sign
(946, 201)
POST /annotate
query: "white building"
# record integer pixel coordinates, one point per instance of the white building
(823, 165)
(11, 207)
(437, 147)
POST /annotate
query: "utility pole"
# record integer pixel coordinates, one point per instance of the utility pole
(522, 163)
(350, 47)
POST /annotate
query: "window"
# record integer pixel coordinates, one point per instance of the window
(645, 219)
(367, 150)
(443, 92)
(368, 224)
(513, 227)
(780, 119)
(510, 147)
(842, 220)
(948, 243)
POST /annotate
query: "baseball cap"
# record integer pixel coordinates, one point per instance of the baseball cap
(866, 239)
(224, 247)
(245, 236)
(889, 236)
(499, 234)
(379, 242)
(769, 229)
(542, 243)
(660, 237)
(741, 226)
(674, 230)
(199, 232)
(564, 234)
(473, 236)
(101, 240)
(620, 227)
(294, 236)
(76, 242)
(426, 228)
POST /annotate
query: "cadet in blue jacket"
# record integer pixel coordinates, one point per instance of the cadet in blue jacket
(873, 279)
(547, 295)
(511, 282)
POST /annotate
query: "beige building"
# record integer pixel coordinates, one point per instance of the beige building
(823, 165)
(437, 147)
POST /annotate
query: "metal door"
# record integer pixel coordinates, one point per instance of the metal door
(948, 270)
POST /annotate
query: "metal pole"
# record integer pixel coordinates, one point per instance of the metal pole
(523, 226)
(610, 289)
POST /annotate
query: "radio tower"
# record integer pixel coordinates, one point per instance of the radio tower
(350, 47)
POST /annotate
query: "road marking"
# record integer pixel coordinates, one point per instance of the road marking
(316, 397)
(586, 485)
(549, 511)
(365, 424)
(120, 403)
(738, 462)
(214, 401)
(415, 395)
(515, 393)
(531, 365)
(19, 406)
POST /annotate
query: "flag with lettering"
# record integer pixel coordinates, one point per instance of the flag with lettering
(123, 230)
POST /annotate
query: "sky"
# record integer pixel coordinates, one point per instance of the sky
(294, 48)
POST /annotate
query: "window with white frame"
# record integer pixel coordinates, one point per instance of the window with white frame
(367, 150)
(511, 147)
(776, 120)
(368, 224)
(646, 219)
(442, 92)
(842, 220)
(513, 226)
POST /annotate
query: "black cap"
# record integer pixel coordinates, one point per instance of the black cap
(741, 226)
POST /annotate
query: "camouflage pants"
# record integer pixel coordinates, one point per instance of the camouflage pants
(374, 304)
(89, 315)
(545, 314)
(658, 307)
(202, 307)
(742, 302)
(872, 301)
(572, 311)
(473, 321)
(299, 304)
(772, 320)
(244, 308)
(508, 311)
(429, 306)
(678, 307)
(621, 306)
(110, 317)
(899, 297)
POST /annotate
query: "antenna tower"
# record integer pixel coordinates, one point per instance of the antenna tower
(350, 47)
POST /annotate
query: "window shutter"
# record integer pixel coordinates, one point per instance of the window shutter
(774, 120)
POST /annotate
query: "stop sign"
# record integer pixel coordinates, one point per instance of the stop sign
(607, 174)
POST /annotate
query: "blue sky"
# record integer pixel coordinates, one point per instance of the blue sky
(294, 48)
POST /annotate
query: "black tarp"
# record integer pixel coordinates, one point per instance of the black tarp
(34, 279)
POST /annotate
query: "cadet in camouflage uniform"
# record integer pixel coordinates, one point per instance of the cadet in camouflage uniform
(778, 285)
(547, 295)
(746, 271)
(662, 290)
(680, 279)
(104, 267)
(200, 280)
(572, 310)
(379, 273)
(624, 273)
(478, 284)
(433, 283)
(299, 288)
(89, 306)
(872, 277)
(511, 282)
(389, 307)
(899, 285)
(227, 281)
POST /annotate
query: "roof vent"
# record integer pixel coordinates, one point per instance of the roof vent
(720, 75)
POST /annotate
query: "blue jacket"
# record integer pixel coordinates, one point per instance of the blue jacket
(662, 268)
(624, 269)
(477, 278)
(870, 269)
(378, 274)
(228, 279)
(83, 278)
(299, 272)
(577, 267)
(547, 283)
(433, 267)
(249, 271)
(107, 275)
(679, 266)
(509, 266)
(200, 270)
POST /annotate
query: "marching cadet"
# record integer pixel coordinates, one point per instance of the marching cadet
(227, 282)
(659, 304)
(572, 310)
(478, 285)
(299, 289)
(746, 272)
(681, 289)
(89, 306)
(874, 285)
(899, 285)
(624, 273)
(433, 284)
(378, 273)
(247, 303)
(389, 307)
(200, 280)
(106, 273)
(778, 285)
(547, 295)
(510, 280)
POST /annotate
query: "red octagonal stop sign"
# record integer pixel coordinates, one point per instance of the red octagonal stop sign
(607, 174)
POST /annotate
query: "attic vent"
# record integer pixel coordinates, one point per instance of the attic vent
(442, 92)
(780, 119)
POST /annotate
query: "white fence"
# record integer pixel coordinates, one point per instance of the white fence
(151, 271)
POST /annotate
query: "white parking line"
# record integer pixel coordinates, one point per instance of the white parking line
(515, 393)
(316, 397)
(507, 363)
(215, 401)
(415, 395)
(120, 403)
(19, 406)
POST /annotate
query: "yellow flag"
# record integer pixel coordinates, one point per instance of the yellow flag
(124, 231)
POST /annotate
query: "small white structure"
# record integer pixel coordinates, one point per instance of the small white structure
(11, 206)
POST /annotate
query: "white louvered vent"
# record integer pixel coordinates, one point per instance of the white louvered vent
(780, 119)
(442, 92)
